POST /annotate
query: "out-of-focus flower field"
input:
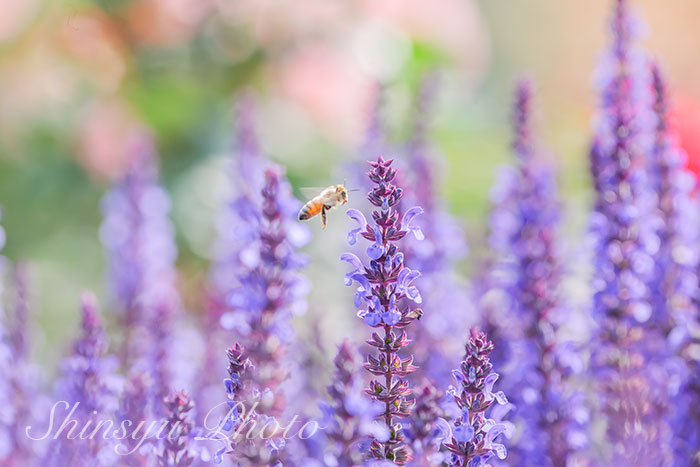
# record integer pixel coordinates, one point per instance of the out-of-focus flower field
(171, 104)
(77, 76)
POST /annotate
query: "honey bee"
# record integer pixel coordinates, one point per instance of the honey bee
(329, 198)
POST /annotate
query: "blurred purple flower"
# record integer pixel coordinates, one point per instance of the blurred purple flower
(424, 432)
(179, 429)
(141, 250)
(527, 275)
(89, 383)
(350, 417)
(674, 289)
(384, 286)
(435, 248)
(624, 228)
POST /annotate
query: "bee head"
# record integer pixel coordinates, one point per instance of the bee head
(342, 190)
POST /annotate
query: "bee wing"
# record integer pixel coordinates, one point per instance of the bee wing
(311, 192)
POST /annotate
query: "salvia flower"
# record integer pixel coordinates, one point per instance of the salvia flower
(233, 248)
(140, 244)
(270, 290)
(436, 250)
(675, 289)
(386, 298)
(239, 392)
(424, 431)
(350, 416)
(135, 397)
(474, 439)
(89, 384)
(530, 275)
(175, 450)
(624, 266)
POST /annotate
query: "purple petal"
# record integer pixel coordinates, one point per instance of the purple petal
(463, 433)
(358, 217)
(376, 250)
(410, 215)
(391, 317)
(372, 319)
(352, 259)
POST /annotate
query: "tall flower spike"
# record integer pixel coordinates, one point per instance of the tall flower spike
(131, 413)
(386, 299)
(349, 418)
(675, 290)
(445, 323)
(140, 244)
(232, 247)
(90, 384)
(17, 386)
(175, 449)
(268, 291)
(534, 374)
(424, 432)
(624, 266)
(237, 387)
(473, 440)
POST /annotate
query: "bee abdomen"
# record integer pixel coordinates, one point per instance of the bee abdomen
(309, 210)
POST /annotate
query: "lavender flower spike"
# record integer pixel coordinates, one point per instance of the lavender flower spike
(236, 393)
(529, 262)
(424, 431)
(675, 289)
(139, 239)
(622, 355)
(385, 297)
(350, 415)
(474, 439)
(89, 380)
(178, 431)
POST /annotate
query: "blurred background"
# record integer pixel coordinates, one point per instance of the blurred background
(78, 76)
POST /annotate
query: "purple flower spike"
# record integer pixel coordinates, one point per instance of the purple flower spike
(473, 438)
(360, 219)
(383, 285)
(349, 417)
(627, 352)
(89, 380)
(179, 431)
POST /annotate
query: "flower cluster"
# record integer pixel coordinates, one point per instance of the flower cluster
(675, 287)
(139, 239)
(424, 432)
(349, 418)
(535, 361)
(473, 441)
(385, 296)
(175, 451)
(623, 224)
(447, 307)
(238, 365)
(629, 397)
(90, 385)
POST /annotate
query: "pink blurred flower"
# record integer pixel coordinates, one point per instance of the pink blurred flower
(167, 22)
(105, 138)
(685, 121)
(455, 27)
(330, 87)
(92, 41)
(15, 17)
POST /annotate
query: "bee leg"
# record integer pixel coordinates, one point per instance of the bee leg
(323, 217)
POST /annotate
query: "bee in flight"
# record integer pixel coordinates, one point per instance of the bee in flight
(329, 198)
